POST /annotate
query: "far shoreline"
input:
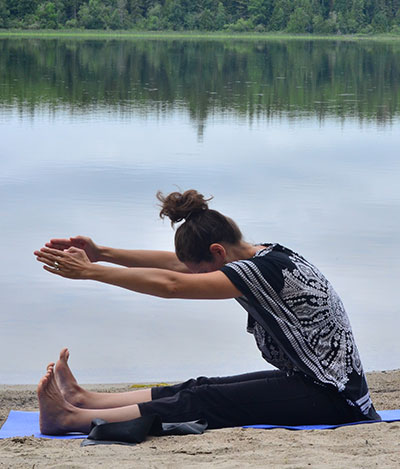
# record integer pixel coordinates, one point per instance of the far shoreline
(198, 35)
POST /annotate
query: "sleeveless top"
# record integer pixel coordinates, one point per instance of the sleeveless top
(299, 322)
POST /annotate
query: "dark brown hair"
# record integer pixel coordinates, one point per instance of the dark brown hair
(201, 228)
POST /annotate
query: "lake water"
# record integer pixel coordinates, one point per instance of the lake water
(297, 141)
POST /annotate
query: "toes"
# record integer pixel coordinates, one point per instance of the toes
(49, 366)
(43, 383)
(64, 354)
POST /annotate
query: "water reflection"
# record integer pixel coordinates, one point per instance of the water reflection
(256, 79)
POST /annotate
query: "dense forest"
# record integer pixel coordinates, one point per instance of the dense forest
(292, 16)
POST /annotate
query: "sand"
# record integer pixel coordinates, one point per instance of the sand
(363, 446)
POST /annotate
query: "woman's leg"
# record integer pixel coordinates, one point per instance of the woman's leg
(79, 397)
(278, 399)
(167, 391)
(57, 416)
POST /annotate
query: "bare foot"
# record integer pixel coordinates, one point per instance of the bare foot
(66, 381)
(56, 414)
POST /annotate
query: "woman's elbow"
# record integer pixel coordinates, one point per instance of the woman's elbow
(170, 289)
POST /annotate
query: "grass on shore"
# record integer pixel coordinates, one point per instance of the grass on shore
(123, 34)
(148, 385)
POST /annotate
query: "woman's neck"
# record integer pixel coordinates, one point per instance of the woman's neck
(240, 251)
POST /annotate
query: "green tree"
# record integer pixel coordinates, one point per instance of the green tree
(319, 16)
(280, 15)
(206, 20)
(119, 15)
(236, 9)
(340, 6)
(174, 14)
(325, 8)
(300, 20)
(69, 8)
(47, 15)
(324, 26)
(93, 15)
(135, 9)
(4, 14)
(260, 11)
(319, 24)
(153, 22)
(21, 8)
(357, 13)
(220, 17)
(380, 22)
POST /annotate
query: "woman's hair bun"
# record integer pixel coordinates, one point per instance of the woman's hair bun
(180, 206)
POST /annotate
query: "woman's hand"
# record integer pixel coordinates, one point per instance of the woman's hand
(72, 263)
(82, 242)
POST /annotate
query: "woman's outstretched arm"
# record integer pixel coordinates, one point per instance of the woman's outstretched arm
(126, 257)
(75, 264)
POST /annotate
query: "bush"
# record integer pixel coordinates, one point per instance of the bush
(241, 26)
(322, 26)
(71, 24)
(32, 22)
(299, 22)
(190, 21)
(153, 23)
(395, 30)
(367, 30)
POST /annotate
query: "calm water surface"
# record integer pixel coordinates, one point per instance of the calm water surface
(297, 141)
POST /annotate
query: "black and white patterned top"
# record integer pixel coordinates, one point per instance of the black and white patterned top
(299, 322)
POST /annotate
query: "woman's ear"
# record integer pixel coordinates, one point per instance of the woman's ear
(218, 251)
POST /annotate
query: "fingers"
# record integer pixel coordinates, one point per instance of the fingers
(49, 254)
(74, 249)
(52, 258)
(65, 243)
(59, 247)
(79, 241)
(46, 261)
(54, 271)
(52, 251)
(59, 244)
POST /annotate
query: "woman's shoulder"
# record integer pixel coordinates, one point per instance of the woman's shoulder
(270, 249)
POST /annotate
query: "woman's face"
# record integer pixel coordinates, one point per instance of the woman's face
(219, 256)
(204, 266)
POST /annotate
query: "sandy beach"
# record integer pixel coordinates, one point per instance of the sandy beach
(363, 446)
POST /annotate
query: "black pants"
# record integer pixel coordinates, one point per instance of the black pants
(268, 397)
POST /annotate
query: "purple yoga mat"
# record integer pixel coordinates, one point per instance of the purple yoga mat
(20, 423)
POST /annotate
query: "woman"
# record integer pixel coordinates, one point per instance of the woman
(298, 321)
